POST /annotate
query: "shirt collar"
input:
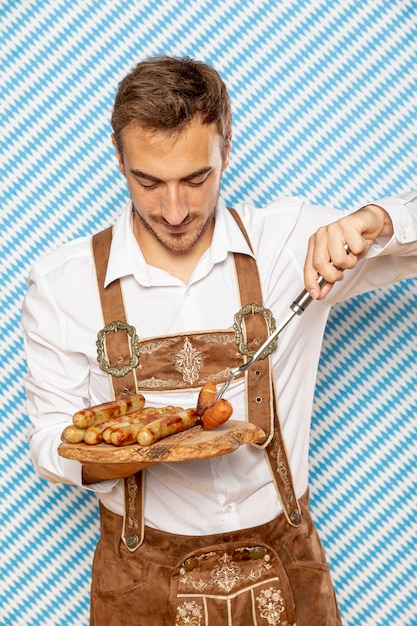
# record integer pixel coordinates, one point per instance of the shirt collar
(126, 257)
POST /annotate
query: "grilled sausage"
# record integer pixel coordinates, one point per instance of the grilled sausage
(206, 397)
(166, 425)
(102, 432)
(127, 433)
(216, 414)
(72, 434)
(107, 411)
(94, 434)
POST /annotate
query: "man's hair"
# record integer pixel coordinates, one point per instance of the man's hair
(166, 93)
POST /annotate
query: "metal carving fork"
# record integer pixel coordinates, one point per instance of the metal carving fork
(297, 308)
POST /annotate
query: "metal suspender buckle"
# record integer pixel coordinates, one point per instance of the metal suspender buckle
(251, 309)
(115, 326)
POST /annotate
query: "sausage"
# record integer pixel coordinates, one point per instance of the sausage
(127, 433)
(124, 426)
(167, 425)
(206, 397)
(106, 434)
(107, 410)
(110, 427)
(216, 414)
(94, 434)
(72, 434)
(98, 432)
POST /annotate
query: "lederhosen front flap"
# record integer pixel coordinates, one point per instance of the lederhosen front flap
(260, 388)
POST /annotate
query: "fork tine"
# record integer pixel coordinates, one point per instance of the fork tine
(224, 387)
(232, 374)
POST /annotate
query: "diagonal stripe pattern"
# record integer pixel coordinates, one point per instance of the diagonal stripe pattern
(324, 98)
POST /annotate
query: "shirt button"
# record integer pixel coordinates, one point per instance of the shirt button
(404, 234)
(188, 292)
(228, 509)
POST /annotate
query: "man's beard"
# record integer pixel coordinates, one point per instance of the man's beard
(179, 243)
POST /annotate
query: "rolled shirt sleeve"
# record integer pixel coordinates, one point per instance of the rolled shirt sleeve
(403, 212)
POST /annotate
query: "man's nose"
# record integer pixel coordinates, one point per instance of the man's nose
(175, 208)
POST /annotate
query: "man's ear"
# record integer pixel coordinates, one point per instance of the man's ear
(226, 151)
(118, 154)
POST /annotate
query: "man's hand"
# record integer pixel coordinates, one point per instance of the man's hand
(93, 473)
(327, 254)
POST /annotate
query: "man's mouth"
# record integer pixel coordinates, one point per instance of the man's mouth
(177, 229)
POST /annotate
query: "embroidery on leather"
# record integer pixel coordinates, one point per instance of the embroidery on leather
(222, 375)
(148, 347)
(159, 383)
(131, 509)
(189, 613)
(189, 361)
(225, 575)
(271, 605)
(151, 346)
(217, 338)
(276, 453)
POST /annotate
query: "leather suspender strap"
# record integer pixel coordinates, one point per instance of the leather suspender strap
(118, 352)
(258, 378)
(260, 388)
(117, 344)
(133, 531)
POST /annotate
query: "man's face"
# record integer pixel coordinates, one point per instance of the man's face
(174, 183)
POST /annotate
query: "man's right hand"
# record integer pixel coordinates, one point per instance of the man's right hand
(93, 473)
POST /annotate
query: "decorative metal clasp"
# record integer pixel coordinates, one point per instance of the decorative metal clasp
(134, 348)
(251, 309)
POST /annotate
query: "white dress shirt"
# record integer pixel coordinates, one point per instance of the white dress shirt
(62, 315)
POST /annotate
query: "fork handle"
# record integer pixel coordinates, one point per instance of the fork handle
(304, 299)
(297, 307)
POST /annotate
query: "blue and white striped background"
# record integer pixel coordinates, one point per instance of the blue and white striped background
(324, 96)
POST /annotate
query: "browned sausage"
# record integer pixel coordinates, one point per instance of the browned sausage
(72, 434)
(166, 425)
(107, 411)
(118, 432)
(102, 432)
(94, 434)
(216, 414)
(206, 397)
(127, 433)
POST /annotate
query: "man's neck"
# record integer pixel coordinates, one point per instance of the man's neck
(157, 255)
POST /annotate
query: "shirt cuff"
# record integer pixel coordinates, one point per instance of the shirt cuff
(403, 212)
(73, 472)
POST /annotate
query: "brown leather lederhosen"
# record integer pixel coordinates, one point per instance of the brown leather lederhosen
(272, 574)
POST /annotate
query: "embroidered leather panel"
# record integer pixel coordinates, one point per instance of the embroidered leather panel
(245, 584)
(185, 361)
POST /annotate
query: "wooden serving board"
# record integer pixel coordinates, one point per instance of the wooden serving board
(192, 444)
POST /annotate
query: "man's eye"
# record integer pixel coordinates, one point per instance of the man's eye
(196, 183)
(147, 184)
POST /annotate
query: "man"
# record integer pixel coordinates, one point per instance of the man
(229, 539)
